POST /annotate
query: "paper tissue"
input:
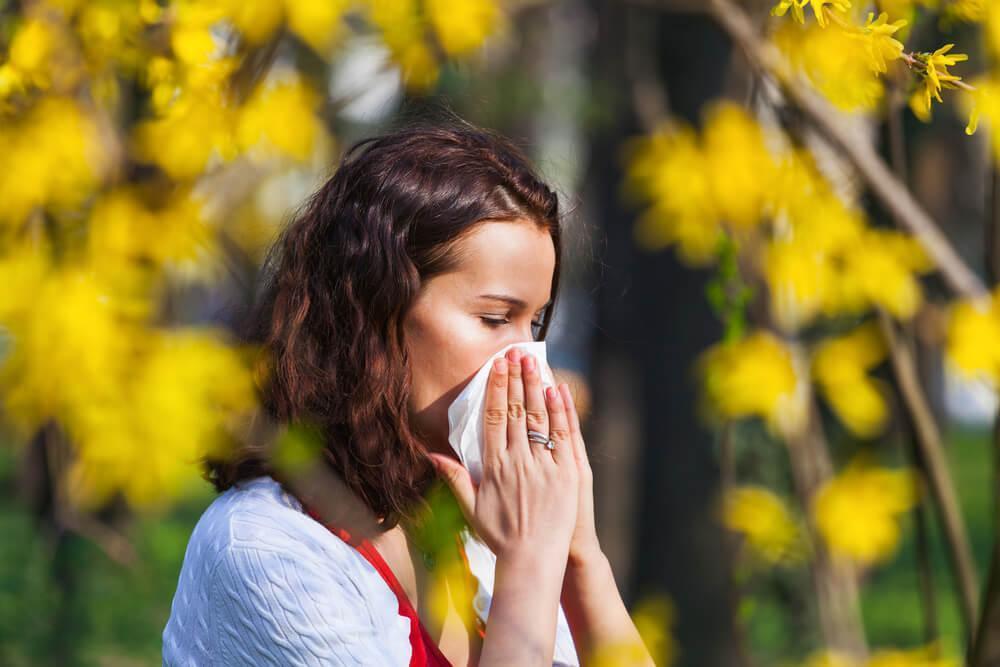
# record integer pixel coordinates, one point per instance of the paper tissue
(465, 433)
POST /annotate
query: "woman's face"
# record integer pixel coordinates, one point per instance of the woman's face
(462, 318)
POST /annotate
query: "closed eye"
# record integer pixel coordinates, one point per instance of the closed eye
(492, 322)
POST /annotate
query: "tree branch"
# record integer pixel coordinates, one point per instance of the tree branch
(937, 471)
(896, 198)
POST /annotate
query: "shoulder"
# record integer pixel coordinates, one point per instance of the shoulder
(262, 580)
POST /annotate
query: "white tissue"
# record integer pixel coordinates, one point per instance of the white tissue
(465, 414)
(465, 433)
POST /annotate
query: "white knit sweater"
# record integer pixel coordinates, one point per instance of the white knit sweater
(263, 583)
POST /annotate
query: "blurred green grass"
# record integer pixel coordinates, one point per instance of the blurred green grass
(105, 614)
(110, 615)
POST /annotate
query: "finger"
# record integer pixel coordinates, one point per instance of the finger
(517, 432)
(495, 412)
(458, 480)
(535, 413)
(579, 448)
(559, 427)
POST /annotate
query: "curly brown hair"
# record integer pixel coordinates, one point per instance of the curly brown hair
(338, 281)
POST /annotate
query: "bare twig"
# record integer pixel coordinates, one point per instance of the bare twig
(985, 649)
(938, 475)
(921, 516)
(896, 198)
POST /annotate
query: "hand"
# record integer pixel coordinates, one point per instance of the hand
(584, 544)
(527, 498)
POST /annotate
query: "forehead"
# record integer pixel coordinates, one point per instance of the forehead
(517, 258)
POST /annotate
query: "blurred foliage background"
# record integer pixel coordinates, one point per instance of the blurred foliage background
(783, 234)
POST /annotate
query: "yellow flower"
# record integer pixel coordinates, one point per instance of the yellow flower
(935, 76)
(696, 187)
(462, 27)
(857, 511)
(796, 6)
(193, 134)
(802, 263)
(741, 169)
(800, 280)
(42, 55)
(317, 23)
(920, 100)
(183, 395)
(280, 119)
(938, 63)
(820, 8)
(969, 11)
(991, 27)
(757, 376)
(34, 377)
(53, 159)
(882, 47)
(669, 169)
(458, 28)
(840, 366)
(129, 237)
(983, 103)
(765, 521)
(837, 62)
(404, 33)
(257, 20)
(113, 33)
(22, 272)
(973, 338)
(880, 268)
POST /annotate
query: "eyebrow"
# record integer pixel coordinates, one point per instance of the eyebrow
(512, 300)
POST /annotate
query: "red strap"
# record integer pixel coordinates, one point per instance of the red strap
(425, 652)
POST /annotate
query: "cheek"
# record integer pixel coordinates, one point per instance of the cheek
(446, 360)
(445, 352)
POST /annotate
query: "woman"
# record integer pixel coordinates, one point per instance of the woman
(429, 250)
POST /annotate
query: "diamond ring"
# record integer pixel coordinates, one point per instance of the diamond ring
(541, 439)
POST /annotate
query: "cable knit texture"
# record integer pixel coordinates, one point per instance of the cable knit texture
(262, 583)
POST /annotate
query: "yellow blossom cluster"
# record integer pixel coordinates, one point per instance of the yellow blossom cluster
(840, 368)
(132, 232)
(858, 511)
(844, 58)
(841, 59)
(455, 28)
(819, 257)
(973, 337)
(771, 532)
(983, 101)
(115, 118)
(54, 158)
(762, 376)
(139, 405)
(757, 376)
(696, 186)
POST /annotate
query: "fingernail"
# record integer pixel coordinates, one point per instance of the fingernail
(529, 363)
(500, 364)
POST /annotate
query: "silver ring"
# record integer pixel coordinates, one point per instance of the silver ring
(541, 439)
